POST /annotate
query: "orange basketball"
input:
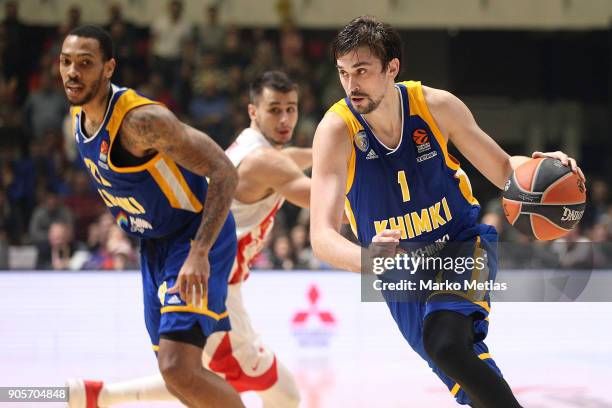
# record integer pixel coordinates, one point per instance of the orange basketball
(544, 199)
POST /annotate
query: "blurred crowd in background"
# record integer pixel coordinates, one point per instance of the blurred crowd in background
(51, 217)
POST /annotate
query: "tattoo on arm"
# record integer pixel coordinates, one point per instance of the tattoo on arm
(153, 127)
(144, 128)
(219, 197)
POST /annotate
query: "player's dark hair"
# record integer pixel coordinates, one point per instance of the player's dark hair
(365, 31)
(99, 34)
(275, 80)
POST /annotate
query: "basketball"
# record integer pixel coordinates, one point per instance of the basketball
(544, 199)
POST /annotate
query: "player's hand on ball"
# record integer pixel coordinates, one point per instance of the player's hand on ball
(564, 159)
(192, 280)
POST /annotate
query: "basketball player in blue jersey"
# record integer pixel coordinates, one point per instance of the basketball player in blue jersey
(150, 170)
(269, 174)
(381, 155)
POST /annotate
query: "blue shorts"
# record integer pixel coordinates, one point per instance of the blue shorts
(161, 261)
(410, 315)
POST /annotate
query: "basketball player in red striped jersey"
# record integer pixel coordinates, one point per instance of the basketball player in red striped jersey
(268, 174)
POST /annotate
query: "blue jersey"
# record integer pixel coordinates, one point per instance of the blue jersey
(152, 200)
(416, 187)
(419, 189)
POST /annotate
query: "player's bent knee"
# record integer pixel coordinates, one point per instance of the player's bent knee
(178, 363)
(442, 350)
(447, 338)
(175, 374)
(445, 349)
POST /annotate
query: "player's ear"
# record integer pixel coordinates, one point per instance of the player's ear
(109, 68)
(252, 111)
(393, 67)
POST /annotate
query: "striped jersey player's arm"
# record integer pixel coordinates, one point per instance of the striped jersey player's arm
(302, 156)
(272, 168)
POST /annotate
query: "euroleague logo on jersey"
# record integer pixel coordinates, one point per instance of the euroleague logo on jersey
(103, 155)
(421, 140)
(420, 136)
(104, 147)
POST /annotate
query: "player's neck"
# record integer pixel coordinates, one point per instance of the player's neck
(96, 108)
(386, 120)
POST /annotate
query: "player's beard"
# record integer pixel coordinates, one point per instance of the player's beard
(369, 107)
(95, 87)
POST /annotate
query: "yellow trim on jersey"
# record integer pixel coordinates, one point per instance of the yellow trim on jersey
(464, 185)
(478, 274)
(164, 170)
(126, 102)
(349, 214)
(170, 180)
(155, 347)
(74, 111)
(192, 309)
(350, 176)
(163, 183)
(341, 109)
(353, 126)
(456, 387)
(418, 106)
(475, 275)
(483, 304)
(193, 200)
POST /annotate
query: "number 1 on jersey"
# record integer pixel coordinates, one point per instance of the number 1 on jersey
(401, 179)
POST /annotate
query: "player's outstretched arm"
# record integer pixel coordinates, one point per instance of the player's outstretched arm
(331, 152)
(302, 156)
(155, 128)
(276, 170)
(458, 125)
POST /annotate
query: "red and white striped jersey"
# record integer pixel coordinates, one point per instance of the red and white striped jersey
(254, 221)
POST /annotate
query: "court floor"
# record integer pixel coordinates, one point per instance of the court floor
(89, 324)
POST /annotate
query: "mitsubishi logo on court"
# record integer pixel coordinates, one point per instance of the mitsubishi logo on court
(313, 310)
(313, 326)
